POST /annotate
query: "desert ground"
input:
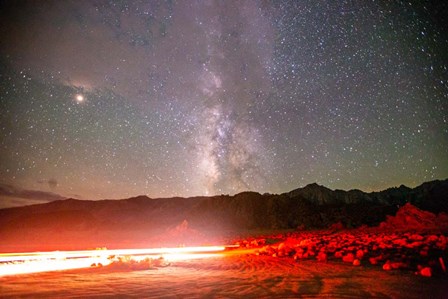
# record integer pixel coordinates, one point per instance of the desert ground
(316, 264)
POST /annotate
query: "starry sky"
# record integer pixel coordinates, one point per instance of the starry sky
(112, 99)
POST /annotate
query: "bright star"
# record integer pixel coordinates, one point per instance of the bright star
(79, 98)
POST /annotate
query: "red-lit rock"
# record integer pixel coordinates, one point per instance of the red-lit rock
(281, 246)
(441, 243)
(432, 238)
(387, 266)
(348, 258)
(410, 217)
(321, 257)
(414, 244)
(416, 237)
(427, 272)
(398, 265)
(359, 254)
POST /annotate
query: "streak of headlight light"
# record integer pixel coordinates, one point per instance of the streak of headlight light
(34, 262)
(37, 266)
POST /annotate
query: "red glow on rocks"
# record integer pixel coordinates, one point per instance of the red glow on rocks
(423, 250)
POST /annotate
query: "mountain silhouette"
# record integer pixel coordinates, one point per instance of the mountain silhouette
(140, 218)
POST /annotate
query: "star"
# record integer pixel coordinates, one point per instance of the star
(79, 98)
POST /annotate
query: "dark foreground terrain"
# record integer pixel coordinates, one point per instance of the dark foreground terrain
(404, 257)
(235, 276)
(324, 264)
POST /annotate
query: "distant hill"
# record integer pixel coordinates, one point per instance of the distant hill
(312, 206)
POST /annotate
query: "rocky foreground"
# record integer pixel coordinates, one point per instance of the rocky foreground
(375, 262)
(413, 240)
(425, 254)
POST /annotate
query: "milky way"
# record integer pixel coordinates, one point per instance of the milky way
(110, 99)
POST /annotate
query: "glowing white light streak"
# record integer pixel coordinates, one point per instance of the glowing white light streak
(37, 266)
(34, 262)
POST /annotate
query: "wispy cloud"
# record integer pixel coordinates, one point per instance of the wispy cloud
(11, 196)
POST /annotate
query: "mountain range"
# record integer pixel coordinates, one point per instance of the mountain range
(313, 206)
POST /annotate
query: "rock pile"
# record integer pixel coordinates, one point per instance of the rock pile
(406, 241)
(411, 217)
(422, 253)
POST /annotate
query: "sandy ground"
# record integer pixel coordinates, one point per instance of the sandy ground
(229, 275)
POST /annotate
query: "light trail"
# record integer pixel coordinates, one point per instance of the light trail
(35, 262)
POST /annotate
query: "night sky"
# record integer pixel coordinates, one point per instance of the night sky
(112, 99)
